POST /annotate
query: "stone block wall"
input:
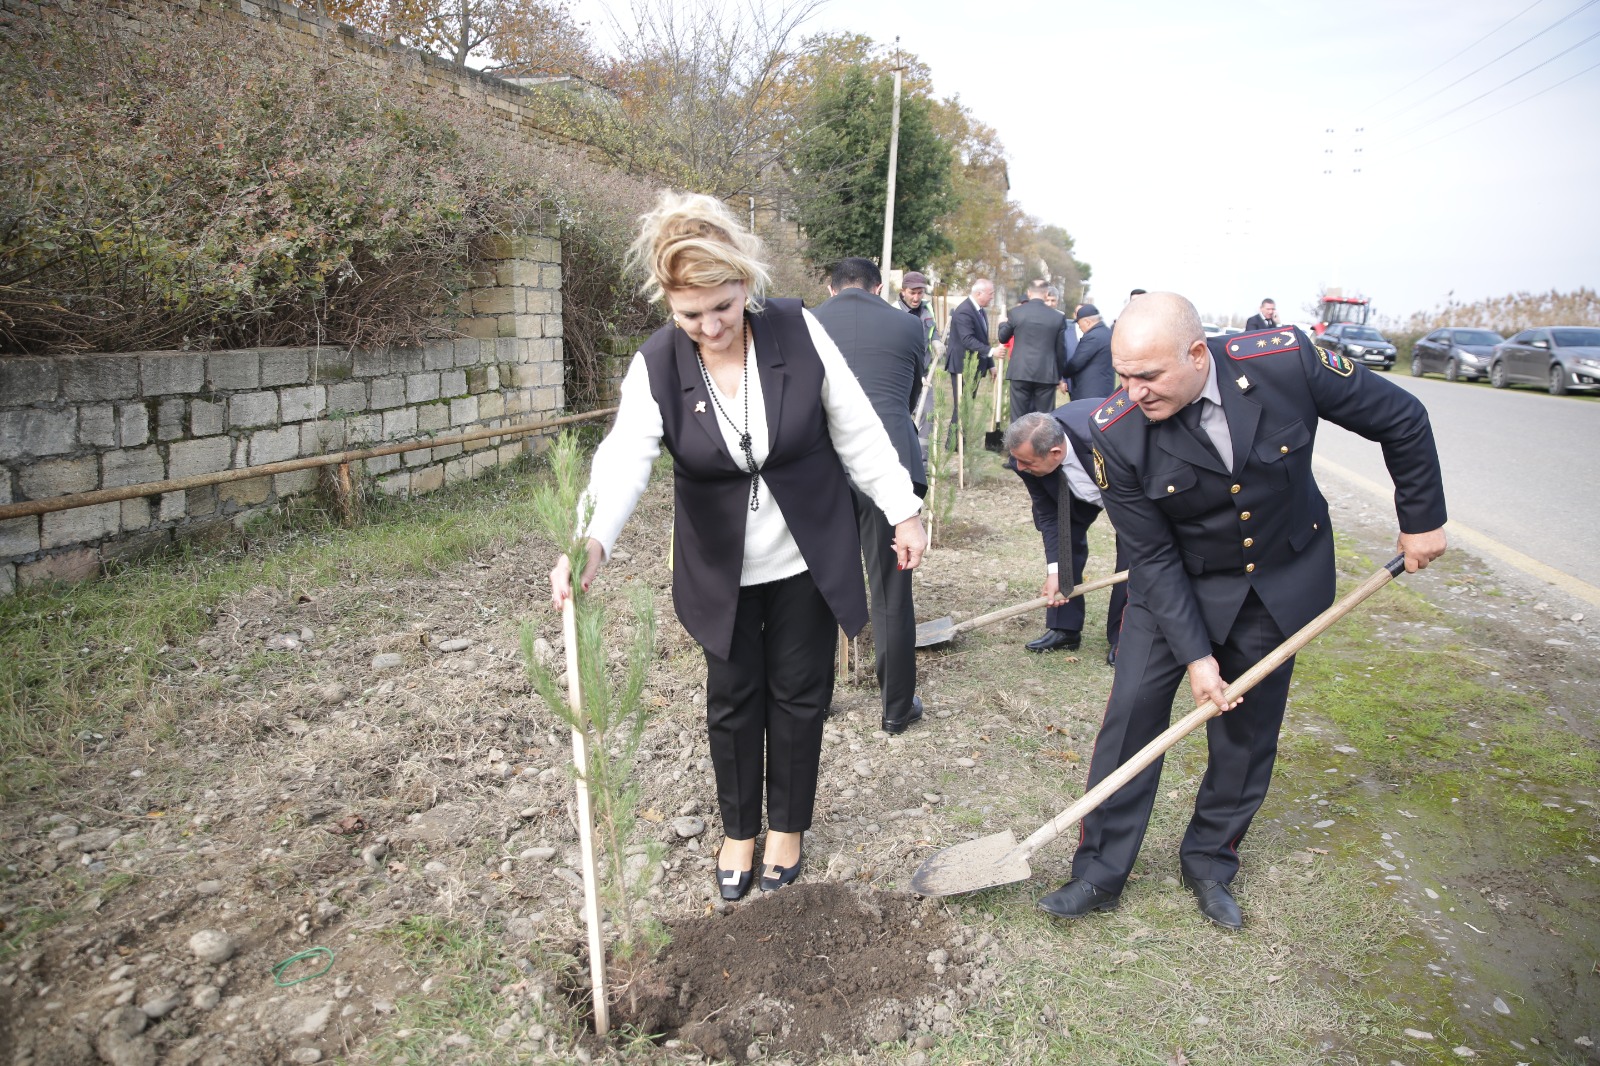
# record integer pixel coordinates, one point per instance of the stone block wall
(78, 423)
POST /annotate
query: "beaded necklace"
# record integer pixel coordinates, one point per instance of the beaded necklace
(745, 444)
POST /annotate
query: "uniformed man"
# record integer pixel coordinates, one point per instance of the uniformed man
(1204, 463)
(1052, 455)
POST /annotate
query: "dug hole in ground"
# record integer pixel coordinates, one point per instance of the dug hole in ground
(362, 766)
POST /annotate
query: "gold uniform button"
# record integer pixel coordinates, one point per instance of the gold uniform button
(1172, 488)
(1250, 568)
(1283, 449)
(1244, 516)
(1249, 542)
(1234, 490)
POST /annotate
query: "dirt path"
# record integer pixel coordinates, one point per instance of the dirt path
(366, 770)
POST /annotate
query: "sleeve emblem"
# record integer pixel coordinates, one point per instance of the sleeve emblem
(1100, 470)
(1335, 361)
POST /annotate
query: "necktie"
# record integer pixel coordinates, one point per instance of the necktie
(1190, 417)
(1064, 570)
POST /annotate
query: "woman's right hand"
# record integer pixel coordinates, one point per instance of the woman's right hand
(561, 576)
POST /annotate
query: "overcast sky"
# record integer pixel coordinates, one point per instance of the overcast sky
(1184, 144)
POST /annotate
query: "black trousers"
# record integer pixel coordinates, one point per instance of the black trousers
(1070, 615)
(1243, 743)
(894, 620)
(770, 696)
(1030, 396)
(955, 390)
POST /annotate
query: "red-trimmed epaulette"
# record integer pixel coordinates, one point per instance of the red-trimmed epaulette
(1262, 342)
(1116, 405)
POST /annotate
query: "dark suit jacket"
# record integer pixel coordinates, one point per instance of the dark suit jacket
(1045, 492)
(711, 489)
(1089, 369)
(1256, 322)
(1039, 354)
(1199, 538)
(885, 348)
(969, 332)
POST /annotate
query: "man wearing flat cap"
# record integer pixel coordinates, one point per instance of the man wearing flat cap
(1089, 370)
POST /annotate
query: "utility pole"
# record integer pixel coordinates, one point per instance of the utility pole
(894, 161)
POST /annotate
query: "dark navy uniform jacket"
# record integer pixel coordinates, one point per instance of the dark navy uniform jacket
(1199, 538)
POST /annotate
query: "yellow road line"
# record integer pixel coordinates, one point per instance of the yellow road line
(1472, 538)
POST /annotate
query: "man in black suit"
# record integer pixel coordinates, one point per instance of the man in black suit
(1204, 464)
(1088, 371)
(885, 349)
(1051, 454)
(969, 332)
(1267, 319)
(1038, 352)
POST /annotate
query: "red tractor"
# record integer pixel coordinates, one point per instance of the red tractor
(1334, 306)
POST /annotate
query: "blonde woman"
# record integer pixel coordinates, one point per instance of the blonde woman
(767, 428)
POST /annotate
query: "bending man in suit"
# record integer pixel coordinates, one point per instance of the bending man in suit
(884, 347)
(1204, 463)
(969, 332)
(1038, 352)
(1051, 454)
(1089, 371)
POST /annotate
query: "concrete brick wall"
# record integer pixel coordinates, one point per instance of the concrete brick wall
(79, 423)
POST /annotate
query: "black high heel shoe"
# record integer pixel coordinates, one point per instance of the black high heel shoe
(781, 875)
(734, 884)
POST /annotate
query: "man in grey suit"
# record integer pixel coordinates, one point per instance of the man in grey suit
(885, 348)
(1038, 355)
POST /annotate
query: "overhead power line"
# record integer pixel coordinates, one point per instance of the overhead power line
(1457, 56)
(1417, 129)
(1581, 8)
(1503, 110)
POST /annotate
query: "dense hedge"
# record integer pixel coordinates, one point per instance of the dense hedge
(205, 191)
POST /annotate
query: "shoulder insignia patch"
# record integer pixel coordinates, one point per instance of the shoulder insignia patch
(1337, 362)
(1114, 408)
(1100, 469)
(1254, 345)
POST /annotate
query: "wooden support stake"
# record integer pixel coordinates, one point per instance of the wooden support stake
(591, 882)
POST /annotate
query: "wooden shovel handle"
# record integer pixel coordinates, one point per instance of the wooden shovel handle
(1206, 711)
(1033, 605)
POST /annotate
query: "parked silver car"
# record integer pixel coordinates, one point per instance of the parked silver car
(1561, 358)
(1455, 353)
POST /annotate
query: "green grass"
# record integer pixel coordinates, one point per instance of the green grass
(85, 657)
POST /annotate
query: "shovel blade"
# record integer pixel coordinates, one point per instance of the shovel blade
(994, 440)
(986, 862)
(937, 631)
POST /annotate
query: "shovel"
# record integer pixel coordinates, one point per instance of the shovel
(943, 630)
(994, 439)
(998, 859)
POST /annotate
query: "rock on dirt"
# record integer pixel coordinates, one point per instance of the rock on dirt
(212, 946)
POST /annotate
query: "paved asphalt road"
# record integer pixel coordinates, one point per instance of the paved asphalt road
(1520, 466)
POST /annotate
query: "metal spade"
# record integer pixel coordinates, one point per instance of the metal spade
(998, 859)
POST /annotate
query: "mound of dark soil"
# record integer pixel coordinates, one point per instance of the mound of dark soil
(810, 969)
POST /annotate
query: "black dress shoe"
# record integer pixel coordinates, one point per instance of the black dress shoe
(1057, 638)
(735, 884)
(780, 875)
(1111, 655)
(900, 725)
(1077, 898)
(1216, 901)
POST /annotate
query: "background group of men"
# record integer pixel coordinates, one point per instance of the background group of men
(1203, 461)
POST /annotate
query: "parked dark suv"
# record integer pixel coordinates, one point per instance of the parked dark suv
(1561, 358)
(1456, 353)
(1362, 344)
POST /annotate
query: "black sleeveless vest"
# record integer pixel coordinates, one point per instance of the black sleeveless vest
(712, 489)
